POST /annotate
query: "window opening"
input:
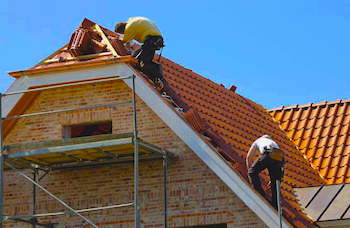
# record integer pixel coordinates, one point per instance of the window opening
(90, 129)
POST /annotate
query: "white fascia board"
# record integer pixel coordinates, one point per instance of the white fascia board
(264, 211)
(48, 78)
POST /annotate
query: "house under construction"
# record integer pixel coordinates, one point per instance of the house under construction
(87, 141)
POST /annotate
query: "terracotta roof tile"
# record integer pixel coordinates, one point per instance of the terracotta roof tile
(322, 135)
(239, 121)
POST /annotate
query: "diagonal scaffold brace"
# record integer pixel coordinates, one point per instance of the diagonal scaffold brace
(51, 195)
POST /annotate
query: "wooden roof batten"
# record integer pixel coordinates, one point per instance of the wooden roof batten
(106, 40)
(100, 32)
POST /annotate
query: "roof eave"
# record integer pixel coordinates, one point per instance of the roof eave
(92, 63)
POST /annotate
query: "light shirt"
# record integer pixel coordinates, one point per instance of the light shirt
(264, 142)
(137, 28)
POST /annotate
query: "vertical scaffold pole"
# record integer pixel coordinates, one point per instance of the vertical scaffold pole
(35, 178)
(165, 185)
(278, 191)
(136, 160)
(1, 166)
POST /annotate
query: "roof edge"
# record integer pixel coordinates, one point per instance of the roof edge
(338, 101)
(92, 63)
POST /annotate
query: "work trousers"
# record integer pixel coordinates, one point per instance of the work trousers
(275, 171)
(145, 55)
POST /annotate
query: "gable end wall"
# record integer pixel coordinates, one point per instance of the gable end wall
(196, 194)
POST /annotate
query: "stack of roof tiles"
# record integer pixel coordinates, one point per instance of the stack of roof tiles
(322, 133)
(228, 121)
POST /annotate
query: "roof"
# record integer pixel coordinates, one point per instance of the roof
(225, 119)
(326, 203)
(321, 132)
(238, 121)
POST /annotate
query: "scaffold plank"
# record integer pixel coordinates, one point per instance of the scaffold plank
(80, 152)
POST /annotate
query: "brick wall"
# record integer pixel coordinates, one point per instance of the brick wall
(196, 195)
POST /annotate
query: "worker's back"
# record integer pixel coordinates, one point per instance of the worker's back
(265, 142)
(271, 158)
(138, 28)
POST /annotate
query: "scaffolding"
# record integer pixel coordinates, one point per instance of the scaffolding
(103, 151)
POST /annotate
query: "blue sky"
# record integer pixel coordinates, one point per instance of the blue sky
(275, 52)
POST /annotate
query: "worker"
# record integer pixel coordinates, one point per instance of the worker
(146, 32)
(271, 157)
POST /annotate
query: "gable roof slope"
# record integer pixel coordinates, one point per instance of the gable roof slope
(239, 121)
(225, 119)
(321, 131)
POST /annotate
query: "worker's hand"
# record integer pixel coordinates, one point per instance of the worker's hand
(128, 47)
(158, 84)
(161, 84)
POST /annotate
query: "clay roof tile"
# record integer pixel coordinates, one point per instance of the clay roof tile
(322, 135)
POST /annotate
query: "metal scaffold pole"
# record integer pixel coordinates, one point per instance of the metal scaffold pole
(278, 191)
(1, 167)
(35, 178)
(136, 159)
(165, 186)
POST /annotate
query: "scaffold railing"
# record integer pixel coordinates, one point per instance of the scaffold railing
(35, 180)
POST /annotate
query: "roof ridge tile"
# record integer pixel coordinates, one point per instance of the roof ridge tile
(337, 101)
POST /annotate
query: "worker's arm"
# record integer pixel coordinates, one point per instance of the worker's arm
(250, 155)
(124, 40)
(128, 36)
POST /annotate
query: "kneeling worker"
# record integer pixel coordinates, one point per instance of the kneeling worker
(146, 32)
(271, 157)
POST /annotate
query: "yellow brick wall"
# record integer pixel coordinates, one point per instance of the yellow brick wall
(196, 195)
